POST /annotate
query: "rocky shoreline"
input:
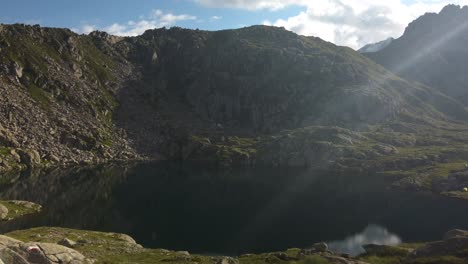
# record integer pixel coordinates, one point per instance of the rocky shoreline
(60, 245)
(51, 245)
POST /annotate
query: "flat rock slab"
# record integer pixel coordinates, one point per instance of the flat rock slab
(16, 252)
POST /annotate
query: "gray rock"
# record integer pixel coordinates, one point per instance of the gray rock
(320, 247)
(183, 253)
(455, 233)
(282, 256)
(449, 247)
(227, 260)
(57, 254)
(17, 70)
(67, 243)
(29, 157)
(7, 139)
(26, 204)
(128, 239)
(3, 212)
(8, 256)
(9, 242)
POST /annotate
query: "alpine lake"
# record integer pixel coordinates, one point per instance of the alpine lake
(231, 211)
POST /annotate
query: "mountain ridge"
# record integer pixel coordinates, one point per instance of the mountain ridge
(253, 96)
(432, 51)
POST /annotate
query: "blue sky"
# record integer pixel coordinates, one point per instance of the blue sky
(73, 14)
(344, 22)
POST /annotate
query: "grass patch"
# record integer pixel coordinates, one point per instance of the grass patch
(39, 95)
(4, 151)
(381, 260)
(438, 260)
(16, 210)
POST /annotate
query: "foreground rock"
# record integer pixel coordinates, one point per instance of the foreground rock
(98, 247)
(16, 252)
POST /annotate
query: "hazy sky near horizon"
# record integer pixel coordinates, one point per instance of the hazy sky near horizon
(352, 23)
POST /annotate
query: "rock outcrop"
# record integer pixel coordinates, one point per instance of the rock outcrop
(17, 252)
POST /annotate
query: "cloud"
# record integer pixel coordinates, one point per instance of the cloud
(216, 17)
(352, 23)
(156, 19)
(86, 29)
(250, 4)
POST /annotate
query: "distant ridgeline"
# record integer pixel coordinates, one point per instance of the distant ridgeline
(434, 51)
(250, 96)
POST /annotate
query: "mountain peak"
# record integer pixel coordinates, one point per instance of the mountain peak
(450, 10)
(432, 51)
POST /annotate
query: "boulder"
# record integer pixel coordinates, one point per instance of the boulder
(3, 212)
(7, 139)
(17, 70)
(26, 204)
(8, 256)
(53, 253)
(67, 243)
(126, 238)
(227, 260)
(320, 247)
(9, 242)
(455, 233)
(449, 247)
(29, 157)
(283, 256)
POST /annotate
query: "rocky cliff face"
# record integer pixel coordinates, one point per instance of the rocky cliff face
(185, 94)
(432, 51)
(58, 95)
(257, 81)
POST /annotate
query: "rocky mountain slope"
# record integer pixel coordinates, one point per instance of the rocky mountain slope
(374, 47)
(432, 51)
(253, 95)
(58, 94)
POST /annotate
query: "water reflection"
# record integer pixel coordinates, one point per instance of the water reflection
(372, 234)
(202, 209)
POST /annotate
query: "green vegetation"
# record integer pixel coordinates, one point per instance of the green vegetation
(18, 209)
(39, 95)
(111, 248)
(227, 150)
(4, 151)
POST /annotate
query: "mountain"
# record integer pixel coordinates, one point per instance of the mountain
(256, 95)
(433, 50)
(374, 47)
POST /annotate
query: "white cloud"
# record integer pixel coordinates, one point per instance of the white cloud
(216, 17)
(86, 29)
(251, 4)
(352, 23)
(156, 19)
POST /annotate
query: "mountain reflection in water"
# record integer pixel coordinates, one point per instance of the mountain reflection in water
(232, 211)
(372, 234)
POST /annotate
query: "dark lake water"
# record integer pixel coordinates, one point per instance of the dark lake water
(233, 211)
